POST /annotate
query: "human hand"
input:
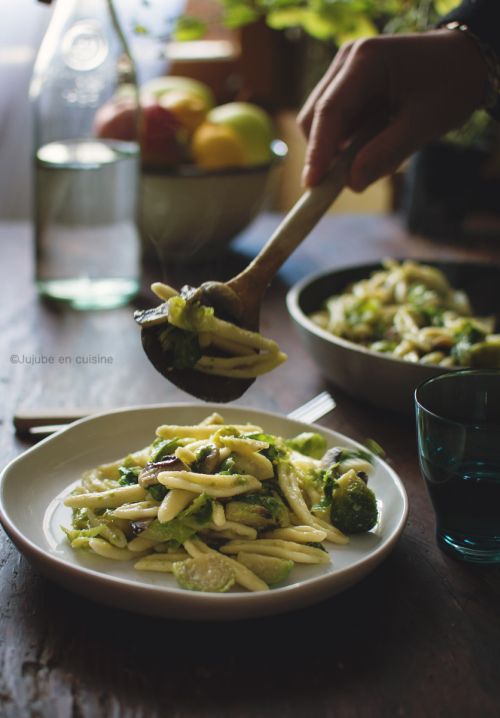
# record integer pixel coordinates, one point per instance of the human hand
(402, 90)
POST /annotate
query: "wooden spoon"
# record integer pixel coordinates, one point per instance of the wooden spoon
(239, 299)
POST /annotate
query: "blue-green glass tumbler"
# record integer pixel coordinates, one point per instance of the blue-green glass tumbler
(458, 428)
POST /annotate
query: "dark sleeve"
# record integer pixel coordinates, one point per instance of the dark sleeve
(482, 17)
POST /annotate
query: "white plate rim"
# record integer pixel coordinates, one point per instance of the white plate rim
(241, 604)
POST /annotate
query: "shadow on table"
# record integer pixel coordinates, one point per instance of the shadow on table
(285, 658)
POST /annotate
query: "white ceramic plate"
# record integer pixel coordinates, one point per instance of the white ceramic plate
(32, 512)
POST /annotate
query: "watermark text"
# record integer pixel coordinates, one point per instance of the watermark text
(61, 359)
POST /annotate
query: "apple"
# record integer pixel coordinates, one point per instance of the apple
(163, 139)
(117, 119)
(252, 125)
(159, 87)
(189, 109)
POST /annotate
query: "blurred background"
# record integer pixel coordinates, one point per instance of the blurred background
(270, 54)
(271, 67)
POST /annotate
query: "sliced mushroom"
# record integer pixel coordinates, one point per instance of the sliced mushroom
(210, 462)
(139, 526)
(331, 457)
(363, 476)
(149, 474)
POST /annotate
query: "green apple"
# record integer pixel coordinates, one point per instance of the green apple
(252, 124)
(161, 86)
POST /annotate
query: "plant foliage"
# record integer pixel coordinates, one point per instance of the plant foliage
(336, 20)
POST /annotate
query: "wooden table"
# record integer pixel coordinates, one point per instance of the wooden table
(418, 637)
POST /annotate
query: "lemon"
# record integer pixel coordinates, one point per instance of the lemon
(252, 125)
(190, 110)
(217, 146)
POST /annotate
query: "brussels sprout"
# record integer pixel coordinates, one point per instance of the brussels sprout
(270, 569)
(485, 355)
(308, 443)
(353, 505)
(258, 511)
(208, 572)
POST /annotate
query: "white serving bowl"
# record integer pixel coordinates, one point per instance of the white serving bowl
(189, 214)
(372, 377)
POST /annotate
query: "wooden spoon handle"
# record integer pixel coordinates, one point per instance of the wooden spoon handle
(295, 227)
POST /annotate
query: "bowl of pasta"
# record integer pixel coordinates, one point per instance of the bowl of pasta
(378, 330)
(177, 511)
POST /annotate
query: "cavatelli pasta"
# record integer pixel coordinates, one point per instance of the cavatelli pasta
(411, 312)
(223, 496)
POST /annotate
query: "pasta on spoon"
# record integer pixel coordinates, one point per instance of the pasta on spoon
(184, 338)
(206, 340)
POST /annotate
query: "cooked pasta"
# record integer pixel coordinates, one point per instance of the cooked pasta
(219, 504)
(197, 339)
(409, 311)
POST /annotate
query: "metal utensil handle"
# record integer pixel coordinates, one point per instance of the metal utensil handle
(43, 422)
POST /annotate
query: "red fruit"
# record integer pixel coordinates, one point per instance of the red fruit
(162, 138)
(117, 119)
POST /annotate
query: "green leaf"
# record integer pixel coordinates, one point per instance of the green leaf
(276, 449)
(227, 467)
(80, 518)
(158, 491)
(239, 13)
(327, 478)
(189, 28)
(197, 515)
(190, 315)
(73, 534)
(162, 448)
(129, 475)
(182, 347)
(445, 6)
(200, 510)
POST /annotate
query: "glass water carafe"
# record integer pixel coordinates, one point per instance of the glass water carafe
(86, 186)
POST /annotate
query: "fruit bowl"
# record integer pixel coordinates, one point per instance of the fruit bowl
(205, 168)
(189, 213)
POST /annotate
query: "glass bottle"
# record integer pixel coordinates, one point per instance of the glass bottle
(86, 169)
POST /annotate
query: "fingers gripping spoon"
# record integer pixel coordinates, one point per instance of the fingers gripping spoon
(238, 300)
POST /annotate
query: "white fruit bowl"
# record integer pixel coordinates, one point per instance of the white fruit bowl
(188, 214)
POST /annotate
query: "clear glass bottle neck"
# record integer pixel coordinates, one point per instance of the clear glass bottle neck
(82, 64)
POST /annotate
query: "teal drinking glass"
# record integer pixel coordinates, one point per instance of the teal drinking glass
(458, 426)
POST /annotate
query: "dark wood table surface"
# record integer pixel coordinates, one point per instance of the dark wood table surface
(418, 637)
